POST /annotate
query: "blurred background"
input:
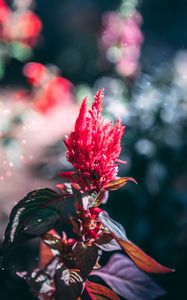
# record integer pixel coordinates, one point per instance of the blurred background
(52, 54)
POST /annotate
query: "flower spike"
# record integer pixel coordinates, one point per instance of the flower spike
(93, 147)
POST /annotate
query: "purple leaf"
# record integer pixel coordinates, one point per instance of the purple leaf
(127, 280)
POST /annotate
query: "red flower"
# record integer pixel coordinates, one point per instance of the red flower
(4, 15)
(48, 89)
(93, 147)
(4, 11)
(24, 27)
(35, 73)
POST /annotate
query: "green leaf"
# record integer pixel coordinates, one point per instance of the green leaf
(35, 214)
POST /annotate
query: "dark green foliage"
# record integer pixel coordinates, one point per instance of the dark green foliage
(34, 215)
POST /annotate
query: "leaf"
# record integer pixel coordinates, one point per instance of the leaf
(100, 292)
(68, 282)
(127, 280)
(102, 197)
(85, 258)
(41, 221)
(141, 259)
(114, 227)
(119, 183)
(35, 214)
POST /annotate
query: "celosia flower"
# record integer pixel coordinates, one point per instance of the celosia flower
(93, 147)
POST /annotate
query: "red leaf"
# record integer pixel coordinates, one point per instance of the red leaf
(118, 183)
(100, 292)
(85, 258)
(141, 259)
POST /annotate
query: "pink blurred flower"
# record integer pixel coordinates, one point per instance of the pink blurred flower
(124, 34)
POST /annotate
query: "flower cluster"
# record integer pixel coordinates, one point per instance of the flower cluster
(93, 147)
(121, 41)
